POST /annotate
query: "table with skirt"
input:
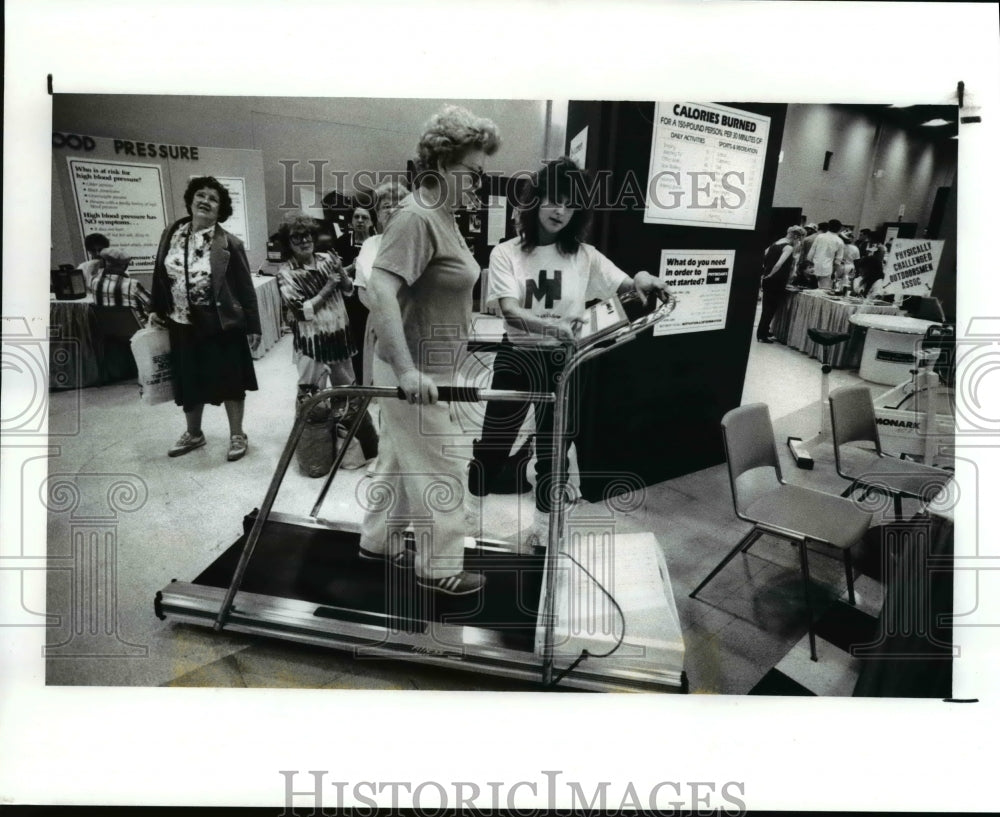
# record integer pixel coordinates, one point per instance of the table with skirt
(88, 343)
(814, 309)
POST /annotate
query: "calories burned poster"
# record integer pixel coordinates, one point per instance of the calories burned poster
(706, 166)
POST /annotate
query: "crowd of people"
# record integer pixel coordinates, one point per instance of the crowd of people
(368, 307)
(819, 256)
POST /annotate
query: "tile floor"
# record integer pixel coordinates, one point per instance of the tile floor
(120, 509)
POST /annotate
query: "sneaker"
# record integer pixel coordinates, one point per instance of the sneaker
(404, 560)
(461, 584)
(187, 442)
(238, 444)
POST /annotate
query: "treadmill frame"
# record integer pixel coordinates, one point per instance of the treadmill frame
(479, 650)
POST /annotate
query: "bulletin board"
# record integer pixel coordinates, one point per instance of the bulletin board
(130, 191)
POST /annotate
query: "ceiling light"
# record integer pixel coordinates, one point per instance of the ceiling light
(936, 123)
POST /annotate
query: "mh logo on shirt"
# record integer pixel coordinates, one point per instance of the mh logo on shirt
(550, 290)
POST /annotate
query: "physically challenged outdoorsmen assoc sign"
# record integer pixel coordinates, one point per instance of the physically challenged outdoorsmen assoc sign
(911, 266)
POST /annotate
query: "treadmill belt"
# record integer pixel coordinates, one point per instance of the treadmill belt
(322, 566)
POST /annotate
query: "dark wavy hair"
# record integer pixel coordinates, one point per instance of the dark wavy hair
(200, 182)
(95, 242)
(451, 133)
(296, 223)
(558, 180)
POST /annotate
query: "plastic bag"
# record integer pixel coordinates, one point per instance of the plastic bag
(316, 448)
(151, 350)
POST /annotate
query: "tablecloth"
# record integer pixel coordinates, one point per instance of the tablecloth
(78, 353)
(269, 308)
(811, 309)
(75, 345)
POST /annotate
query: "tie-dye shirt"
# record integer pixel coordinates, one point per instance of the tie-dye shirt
(319, 326)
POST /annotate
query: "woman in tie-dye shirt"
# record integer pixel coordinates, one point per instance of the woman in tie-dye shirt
(313, 286)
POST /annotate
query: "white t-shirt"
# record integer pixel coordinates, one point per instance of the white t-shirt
(365, 259)
(549, 284)
(826, 254)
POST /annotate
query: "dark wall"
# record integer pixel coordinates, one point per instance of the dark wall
(946, 280)
(652, 408)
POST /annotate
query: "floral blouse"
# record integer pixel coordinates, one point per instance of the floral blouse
(196, 286)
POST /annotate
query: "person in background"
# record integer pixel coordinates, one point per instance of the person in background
(803, 266)
(347, 247)
(847, 266)
(541, 318)
(420, 290)
(864, 239)
(778, 264)
(112, 286)
(313, 286)
(877, 250)
(93, 244)
(203, 293)
(827, 253)
(349, 244)
(387, 198)
(870, 281)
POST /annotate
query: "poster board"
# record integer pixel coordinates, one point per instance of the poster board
(130, 190)
(911, 265)
(706, 166)
(125, 202)
(237, 222)
(700, 280)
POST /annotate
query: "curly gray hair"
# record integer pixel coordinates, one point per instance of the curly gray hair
(450, 133)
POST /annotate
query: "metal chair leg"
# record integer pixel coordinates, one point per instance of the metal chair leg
(752, 536)
(849, 569)
(804, 560)
(897, 506)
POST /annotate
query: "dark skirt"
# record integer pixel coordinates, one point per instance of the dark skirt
(210, 369)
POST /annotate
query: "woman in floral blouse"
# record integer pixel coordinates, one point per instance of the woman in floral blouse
(204, 295)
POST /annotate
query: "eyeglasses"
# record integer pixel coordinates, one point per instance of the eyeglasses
(300, 238)
(478, 172)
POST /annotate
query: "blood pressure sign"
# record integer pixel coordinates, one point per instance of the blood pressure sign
(911, 266)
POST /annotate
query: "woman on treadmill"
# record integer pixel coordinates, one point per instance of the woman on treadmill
(420, 293)
(541, 281)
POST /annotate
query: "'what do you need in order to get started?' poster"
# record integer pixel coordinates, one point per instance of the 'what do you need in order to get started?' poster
(701, 280)
(706, 166)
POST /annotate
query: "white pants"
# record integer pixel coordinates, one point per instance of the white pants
(419, 480)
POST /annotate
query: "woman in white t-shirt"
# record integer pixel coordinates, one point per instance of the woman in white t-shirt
(387, 197)
(541, 282)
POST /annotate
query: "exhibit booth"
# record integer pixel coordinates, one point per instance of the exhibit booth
(686, 191)
(130, 191)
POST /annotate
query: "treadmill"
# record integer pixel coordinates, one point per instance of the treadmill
(594, 610)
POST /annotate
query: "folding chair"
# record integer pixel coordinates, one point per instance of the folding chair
(852, 416)
(802, 516)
